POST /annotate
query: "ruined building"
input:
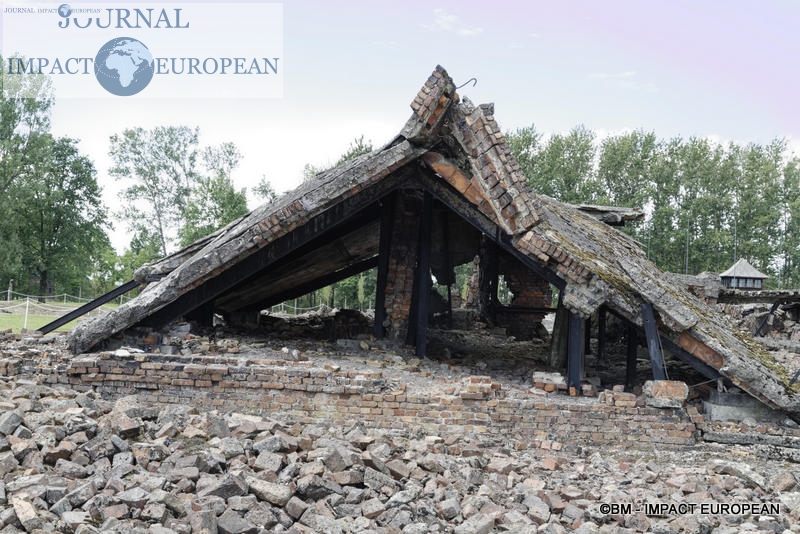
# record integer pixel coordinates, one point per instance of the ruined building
(443, 190)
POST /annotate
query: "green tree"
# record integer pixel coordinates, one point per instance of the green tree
(159, 165)
(562, 167)
(758, 203)
(264, 190)
(60, 215)
(213, 202)
(789, 263)
(25, 105)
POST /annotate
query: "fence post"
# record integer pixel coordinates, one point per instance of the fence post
(27, 304)
(10, 289)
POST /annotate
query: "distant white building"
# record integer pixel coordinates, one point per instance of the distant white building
(742, 275)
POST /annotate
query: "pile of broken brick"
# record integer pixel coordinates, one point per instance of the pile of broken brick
(73, 462)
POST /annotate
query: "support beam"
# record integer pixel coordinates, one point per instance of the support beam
(449, 269)
(387, 220)
(653, 341)
(587, 337)
(89, 306)
(423, 278)
(601, 333)
(488, 280)
(317, 283)
(339, 220)
(454, 200)
(772, 310)
(674, 349)
(575, 354)
(630, 357)
(560, 337)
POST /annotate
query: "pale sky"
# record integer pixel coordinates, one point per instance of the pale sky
(726, 70)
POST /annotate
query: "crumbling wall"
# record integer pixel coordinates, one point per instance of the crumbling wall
(312, 392)
(402, 259)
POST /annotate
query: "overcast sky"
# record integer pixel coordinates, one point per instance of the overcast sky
(721, 69)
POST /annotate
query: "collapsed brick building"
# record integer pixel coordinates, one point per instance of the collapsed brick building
(444, 190)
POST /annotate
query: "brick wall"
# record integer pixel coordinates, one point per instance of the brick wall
(402, 259)
(308, 392)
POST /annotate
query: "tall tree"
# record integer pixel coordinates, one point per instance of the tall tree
(25, 104)
(61, 216)
(160, 166)
(213, 201)
(789, 273)
(562, 167)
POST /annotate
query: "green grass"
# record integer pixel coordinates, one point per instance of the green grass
(39, 314)
(17, 322)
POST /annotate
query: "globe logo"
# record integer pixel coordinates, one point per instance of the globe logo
(123, 66)
(64, 10)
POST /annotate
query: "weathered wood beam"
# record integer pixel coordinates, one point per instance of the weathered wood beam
(340, 219)
(575, 354)
(387, 206)
(672, 346)
(454, 200)
(601, 333)
(487, 281)
(423, 278)
(653, 341)
(772, 311)
(317, 283)
(630, 357)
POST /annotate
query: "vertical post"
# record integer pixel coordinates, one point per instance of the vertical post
(27, 305)
(575, 354)
(449, 269)
(487, 281)
(558, 345)
(587, 337)
(601, 333)
(630, 362)
(387, 216)
(424, 276)
(10, 289)
(653, 342)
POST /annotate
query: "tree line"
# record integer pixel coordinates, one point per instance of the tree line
(706, 204)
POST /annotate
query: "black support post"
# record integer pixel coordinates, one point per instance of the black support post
(89, 306)
(653, 342)
(487, 281)
(449, 269)
(601, 334)
(387, 219)
(587, 337)
(630, 362)
(575, 353)
(423, 280)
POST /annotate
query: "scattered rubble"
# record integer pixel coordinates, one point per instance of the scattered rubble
(72, 462)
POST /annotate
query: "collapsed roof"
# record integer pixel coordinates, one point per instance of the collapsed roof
(333, 226)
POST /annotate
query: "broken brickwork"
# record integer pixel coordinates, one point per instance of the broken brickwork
(402, 259)
(313, 392)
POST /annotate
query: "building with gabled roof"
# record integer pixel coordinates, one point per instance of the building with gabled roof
(742, 275)
(443, 190)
